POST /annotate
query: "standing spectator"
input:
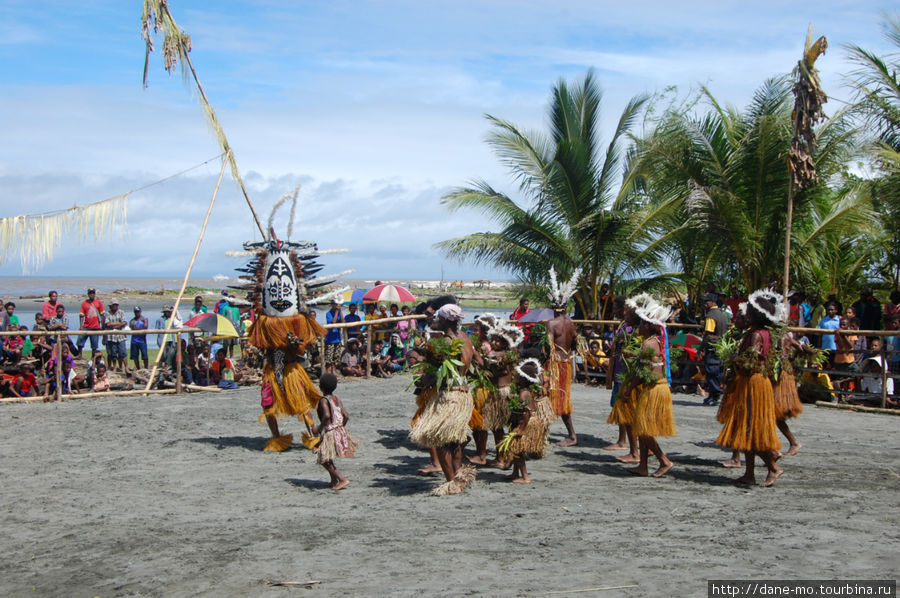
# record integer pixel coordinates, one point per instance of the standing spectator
(91, 317)
(404, 326)
(371, 315)
(868, 310)
(832, 298)
(893, 307)
(166, 342)
(831, 321)
(714, 328)
(395, 309)
(42, 344)
(204, 360)
(198, 308)
(48, 310)
(139, 341)
(115, 343)
(333, 343)
(11, 317)
(353, 332)
(737, 297)
(817, 310)
(521, 310)
(892, 343)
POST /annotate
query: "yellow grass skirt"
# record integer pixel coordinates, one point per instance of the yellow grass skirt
(653, 415)
(533, 441)
(787, 401)
(476, 422)
(561, 386)
(750, 419)
(444, 420)
(496, 409)
(622, 413)
(298, 397)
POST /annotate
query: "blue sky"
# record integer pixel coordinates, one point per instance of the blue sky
(376, 108)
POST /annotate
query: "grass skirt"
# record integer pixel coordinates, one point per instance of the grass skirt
(476, 422)
(298, 397)
(533, 441)
(622, 410)
(653, 415)
(421, 400)
(444, 420)
(750, 419)
(561, 386)
(496, 409)
(336, 443)
(726, 407)
(787, 401)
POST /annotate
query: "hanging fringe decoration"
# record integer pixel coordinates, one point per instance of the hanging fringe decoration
(36, 238)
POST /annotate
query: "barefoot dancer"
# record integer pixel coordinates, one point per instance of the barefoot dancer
(561, 333)
(735, 334)
(443, 424)
(482, 384)
(622, 413)
(502, 360)
(335, 440)
(750, 424)
(787, 401)
(652, 397)
(530, 421)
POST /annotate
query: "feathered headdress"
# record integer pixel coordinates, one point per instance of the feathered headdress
(778, 313)
(513, 335)
(530, 363)
(559, 295)
(638, 300)
(652, 311)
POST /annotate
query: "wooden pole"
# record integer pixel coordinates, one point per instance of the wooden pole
(884, 374)
(368, 351)
(59, 338)
(178, 362)
(787, 243)
(188, 273)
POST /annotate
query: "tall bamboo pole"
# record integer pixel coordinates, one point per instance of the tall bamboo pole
(187, 274)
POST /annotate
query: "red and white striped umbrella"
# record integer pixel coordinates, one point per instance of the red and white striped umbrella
(388, 293)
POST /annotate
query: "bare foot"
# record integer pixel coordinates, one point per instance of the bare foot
(341, 485)
(639, 470)
(730, 463)
(497, 463)
(745, 479)
(478, 460)
(430, 469)
(618, 446)
(523, 480)
(567, 442)
(663, 469)
(773, 475)
(795, 448)
(629, 458)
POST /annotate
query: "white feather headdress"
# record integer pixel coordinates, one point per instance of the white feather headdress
(559, 295)
(780, 313)
(520, 370)
(508, 332)
(653, 311)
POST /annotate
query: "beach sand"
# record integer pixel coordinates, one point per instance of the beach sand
(173, 496)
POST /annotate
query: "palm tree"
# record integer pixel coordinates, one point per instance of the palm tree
(726, 170)
(577, 207)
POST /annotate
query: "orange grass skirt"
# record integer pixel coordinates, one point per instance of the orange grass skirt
(787, 401)
(749, 421)
(479, 396)
(561, 386)
(653, 415)
(298, 396)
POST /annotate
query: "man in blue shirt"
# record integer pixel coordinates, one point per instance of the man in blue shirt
(333, 345)
(831, 321)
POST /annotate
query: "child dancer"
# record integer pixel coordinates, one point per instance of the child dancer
(531, 420)
(336, 441)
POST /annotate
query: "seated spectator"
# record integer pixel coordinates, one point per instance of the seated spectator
(93, 365)
(380, 362)
(871, 380)
(41, 343)
(844, 358)
(204, 360)
(396, 354)
(70, 382)
(351, 360)
(25, 383)
(12, 347)
(66, 358)
(101, 379)
(223, 372)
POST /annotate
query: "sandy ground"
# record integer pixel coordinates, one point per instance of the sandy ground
(173, 496)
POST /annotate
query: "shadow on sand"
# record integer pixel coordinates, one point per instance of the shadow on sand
(309, 484)
(250, 443)
(394, 439)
